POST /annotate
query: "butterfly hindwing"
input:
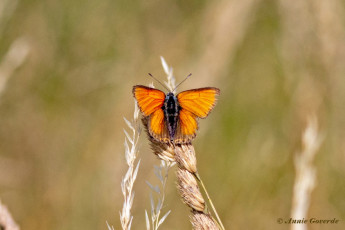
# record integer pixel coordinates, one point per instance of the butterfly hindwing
(149, 99)
(186, 127)
(157, 126)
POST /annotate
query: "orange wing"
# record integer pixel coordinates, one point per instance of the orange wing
(157, 127)
(150, 102)
(188, 122)
(198, 101)
(194, 103)
(186, 128)
(149, 99)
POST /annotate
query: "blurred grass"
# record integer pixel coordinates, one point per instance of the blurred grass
(61, 139)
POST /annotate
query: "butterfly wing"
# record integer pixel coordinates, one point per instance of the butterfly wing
(157, 126)
(150, 102)
(194, 103)
(149, 99)
(199, 101)
(186, 127)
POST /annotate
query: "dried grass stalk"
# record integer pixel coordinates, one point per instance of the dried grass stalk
(6, 220)
(128, 180)
(14, 58)
(186, 181)
(305, 180)
(187, 177)
(157, 218)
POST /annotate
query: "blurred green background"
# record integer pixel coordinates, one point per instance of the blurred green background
(62, 106)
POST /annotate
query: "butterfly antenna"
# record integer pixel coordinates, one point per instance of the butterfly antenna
(183, 81)
(158, 81)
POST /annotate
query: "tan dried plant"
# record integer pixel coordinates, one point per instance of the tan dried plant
(18, 50)
(6, 220)
(127, 183)
(306, 177)
(13, 58)
(187, 174)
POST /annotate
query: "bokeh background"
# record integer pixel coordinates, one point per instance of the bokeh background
(67, 70)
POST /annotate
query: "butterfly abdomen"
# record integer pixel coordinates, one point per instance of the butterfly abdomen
(171, 112)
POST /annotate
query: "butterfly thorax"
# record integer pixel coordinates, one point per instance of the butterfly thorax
(171, 111)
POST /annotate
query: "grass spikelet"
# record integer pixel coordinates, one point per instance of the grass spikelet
(128, 180)
(188, 177)
(161, 173)
(189, 190)
(171, 83)
(202, 221)
(185, 157)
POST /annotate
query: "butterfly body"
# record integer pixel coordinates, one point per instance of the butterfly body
(174, 118)
(171, 110)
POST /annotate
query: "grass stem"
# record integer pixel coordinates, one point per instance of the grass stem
(197, 176)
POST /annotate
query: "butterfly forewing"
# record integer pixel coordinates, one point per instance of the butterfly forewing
(149, 99)
(198, 101)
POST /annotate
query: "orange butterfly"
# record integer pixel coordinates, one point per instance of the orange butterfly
(173, 118)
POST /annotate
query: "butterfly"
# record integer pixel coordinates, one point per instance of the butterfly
(173, 119)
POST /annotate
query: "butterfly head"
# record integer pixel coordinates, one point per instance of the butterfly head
(170, 94)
